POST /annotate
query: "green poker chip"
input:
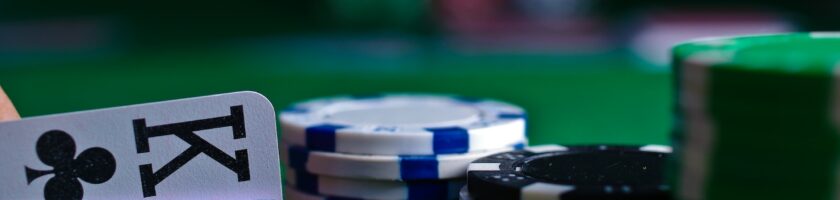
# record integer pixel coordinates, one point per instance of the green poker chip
(800, 53)
(757, 117)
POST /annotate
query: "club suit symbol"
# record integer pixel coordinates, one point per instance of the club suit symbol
(57, 148)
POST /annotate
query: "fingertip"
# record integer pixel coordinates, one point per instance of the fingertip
(7, 109)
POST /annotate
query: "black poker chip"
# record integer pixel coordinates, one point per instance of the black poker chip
(571, 173)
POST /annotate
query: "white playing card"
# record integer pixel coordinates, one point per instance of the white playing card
(213, 147)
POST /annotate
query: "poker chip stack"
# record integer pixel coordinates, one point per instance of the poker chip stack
(394, 146)
(757, 117)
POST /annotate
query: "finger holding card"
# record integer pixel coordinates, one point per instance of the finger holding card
(7, 109)
(214, 147)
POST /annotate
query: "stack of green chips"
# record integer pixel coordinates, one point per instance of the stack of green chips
(757, 117)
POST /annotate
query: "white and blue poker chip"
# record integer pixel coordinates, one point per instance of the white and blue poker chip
(293, 193)
(382, 167)
(403, 124)
(373, 189)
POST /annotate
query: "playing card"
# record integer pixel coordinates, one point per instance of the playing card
(213, 147)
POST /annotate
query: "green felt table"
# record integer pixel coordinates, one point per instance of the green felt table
(570, 100)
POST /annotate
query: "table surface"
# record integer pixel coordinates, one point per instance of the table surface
(570, 100)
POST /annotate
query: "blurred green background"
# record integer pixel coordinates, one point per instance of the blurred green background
(586, 71)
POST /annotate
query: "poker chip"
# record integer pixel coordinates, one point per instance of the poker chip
(573, 172)
(756, 117)
(403, 124)
(382, 167)
(293, 193)
(373, 189)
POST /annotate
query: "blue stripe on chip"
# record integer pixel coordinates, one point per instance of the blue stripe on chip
(322, 137)
(450, 140)
(418, 167)
(306, 182)
(511, 115)
(298, 157)
(293, 109)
